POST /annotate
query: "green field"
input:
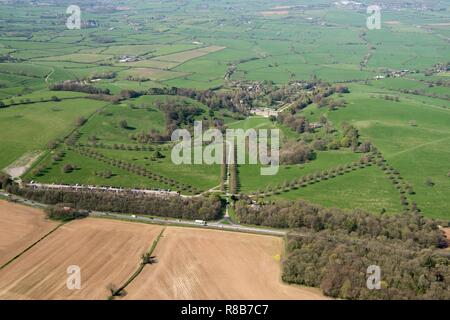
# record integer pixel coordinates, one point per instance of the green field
(30, 127)
(398, 79)
(85, 174)
(366, 189)
(251, 179)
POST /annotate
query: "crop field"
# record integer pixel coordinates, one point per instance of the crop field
(107, 252)
(205, 264)
(21, 227)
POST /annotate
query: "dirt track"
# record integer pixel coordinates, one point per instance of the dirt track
(20, 227)
(208, 264)
(106, 251)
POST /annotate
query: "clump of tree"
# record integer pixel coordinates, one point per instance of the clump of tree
(158, 155)
(53, 144)
(337, 263)
(80, 121)
(295, 153)
(123, 124)
(178, 113)
(104, 75)
(351, 136)
(5, 180)
(429, 182)
(68, 168)
(151, 136)
(332, 104)
(72, 85)
(297, 123)
(106, 174)
(64, 212)
(391, 98)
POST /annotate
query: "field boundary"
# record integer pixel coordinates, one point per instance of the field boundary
(31, 246)
(146, 259)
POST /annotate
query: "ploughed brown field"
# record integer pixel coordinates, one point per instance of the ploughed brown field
(20, 227)
(208, 264)
(191, 263)
(106, 252)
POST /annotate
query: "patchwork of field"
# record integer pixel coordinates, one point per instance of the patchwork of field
(20, 227)
(190, 263)
(413, 135)
(215, 48)
(107, 252)
(205, 264)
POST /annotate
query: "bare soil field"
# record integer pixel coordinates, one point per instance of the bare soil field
(208, 264)
(107, 252)
(20, 227)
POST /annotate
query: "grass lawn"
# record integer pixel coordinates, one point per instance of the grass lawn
(413, 135)
(367, 188)
(85, 174)
(251, 180)
(30, 127)
(202, 176)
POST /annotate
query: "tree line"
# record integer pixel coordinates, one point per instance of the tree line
(204, 208)
(71, 85)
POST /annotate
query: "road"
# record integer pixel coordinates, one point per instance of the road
(209, 225)
(216, 225)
